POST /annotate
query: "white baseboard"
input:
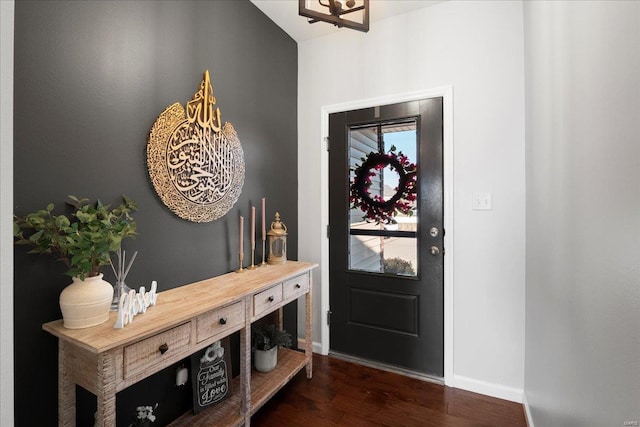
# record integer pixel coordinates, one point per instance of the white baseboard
(489, 389)
(527, 411)
(316, 346)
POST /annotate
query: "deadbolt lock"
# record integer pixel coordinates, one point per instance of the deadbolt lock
(434, 231)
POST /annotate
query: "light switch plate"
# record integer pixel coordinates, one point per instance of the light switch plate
(482, 202)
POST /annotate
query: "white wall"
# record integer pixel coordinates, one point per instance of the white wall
(477, 47)
(583, 212)
(6, 212)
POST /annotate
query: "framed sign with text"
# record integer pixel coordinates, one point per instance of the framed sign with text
(211, 375)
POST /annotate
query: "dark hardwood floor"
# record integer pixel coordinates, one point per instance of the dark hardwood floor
(345, 394)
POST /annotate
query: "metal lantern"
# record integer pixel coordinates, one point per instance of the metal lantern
(277, 239)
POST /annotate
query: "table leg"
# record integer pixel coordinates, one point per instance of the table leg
(106, 391)
(308, 342)
(245, 369)
(66, 389)
(279, 318)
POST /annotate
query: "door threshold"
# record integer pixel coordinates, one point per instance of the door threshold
(389, 368)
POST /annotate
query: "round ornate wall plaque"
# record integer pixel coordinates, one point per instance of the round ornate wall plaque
(195, 163)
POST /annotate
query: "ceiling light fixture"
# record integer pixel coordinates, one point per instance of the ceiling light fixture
(317, 11)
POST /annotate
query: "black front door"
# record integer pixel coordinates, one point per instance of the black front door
(386, 268)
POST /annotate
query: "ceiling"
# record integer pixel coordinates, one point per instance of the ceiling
(285, 14)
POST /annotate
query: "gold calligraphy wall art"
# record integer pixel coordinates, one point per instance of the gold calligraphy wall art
(195, 163)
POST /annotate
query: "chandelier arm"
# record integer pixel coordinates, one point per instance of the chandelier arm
(355, 9)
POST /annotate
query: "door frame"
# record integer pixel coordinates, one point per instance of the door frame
(446, 92)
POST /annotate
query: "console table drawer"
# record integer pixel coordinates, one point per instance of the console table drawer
(267, 300)
(154, 350)
(220, 321)
(295, 287)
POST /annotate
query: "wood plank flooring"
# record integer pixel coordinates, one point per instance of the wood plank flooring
(345, 394)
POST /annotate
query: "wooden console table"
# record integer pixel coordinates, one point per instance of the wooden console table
(186, 319)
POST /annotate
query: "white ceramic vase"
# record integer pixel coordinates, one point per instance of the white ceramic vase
(86, 303)
(265, 360)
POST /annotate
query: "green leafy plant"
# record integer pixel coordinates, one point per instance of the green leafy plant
(266, 337)
(398, 266)
(84, 239)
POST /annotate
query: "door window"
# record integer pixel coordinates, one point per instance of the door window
(383, 220)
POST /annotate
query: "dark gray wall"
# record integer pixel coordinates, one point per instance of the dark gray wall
(90, 79)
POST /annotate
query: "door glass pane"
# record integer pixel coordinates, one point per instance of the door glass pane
(390, 245)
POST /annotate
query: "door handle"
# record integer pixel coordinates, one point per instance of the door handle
(434, 250)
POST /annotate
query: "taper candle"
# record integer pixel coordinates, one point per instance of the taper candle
(253, 227)
(241, 233)
(264, 224)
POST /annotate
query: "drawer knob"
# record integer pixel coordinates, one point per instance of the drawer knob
(223, 320)
(270, 298)
(297, 285)
(163, 348)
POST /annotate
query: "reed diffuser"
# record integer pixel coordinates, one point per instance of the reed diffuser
(121, 288)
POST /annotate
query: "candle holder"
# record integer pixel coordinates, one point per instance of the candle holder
(253, 254)
(264, 241)
(240, 258)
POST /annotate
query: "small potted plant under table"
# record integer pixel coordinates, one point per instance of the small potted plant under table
(266, 340)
